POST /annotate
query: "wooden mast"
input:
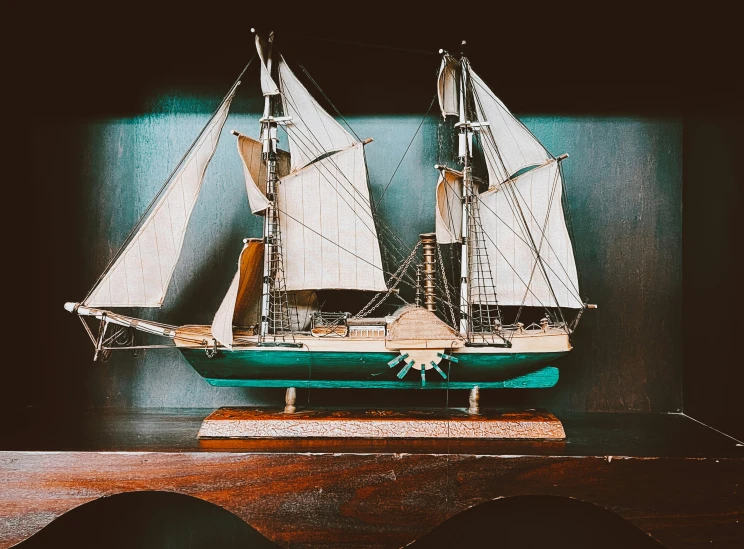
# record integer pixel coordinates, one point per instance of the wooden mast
(268, 226)
(274, 303)
(464, 153)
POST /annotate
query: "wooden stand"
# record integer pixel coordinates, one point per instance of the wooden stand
(674, 478)
(267, 423)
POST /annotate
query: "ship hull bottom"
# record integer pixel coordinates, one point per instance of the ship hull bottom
(323, 369)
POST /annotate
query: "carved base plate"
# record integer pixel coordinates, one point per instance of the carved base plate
(267, 423)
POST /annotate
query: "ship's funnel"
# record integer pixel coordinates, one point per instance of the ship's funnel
(429, 244)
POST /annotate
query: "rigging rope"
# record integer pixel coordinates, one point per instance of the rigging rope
(368, 308)
(379, 200)
(446, 285)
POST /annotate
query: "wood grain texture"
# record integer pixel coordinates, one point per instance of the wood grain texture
(329, 423)
(673, 478)
(350, 500)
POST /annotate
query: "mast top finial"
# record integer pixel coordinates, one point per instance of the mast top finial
(253, 30)
(441, 50)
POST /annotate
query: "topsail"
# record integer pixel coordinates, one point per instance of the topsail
(507, 144)
(312, 131)
(141, 273)
(447, 86)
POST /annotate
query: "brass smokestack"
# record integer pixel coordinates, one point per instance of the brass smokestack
(429, 243)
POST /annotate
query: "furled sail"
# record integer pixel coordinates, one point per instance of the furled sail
(254, 169)
(507, 144)
(447, 86)
(241, 306)
(534, 198)
(329, 239)
(449, 207)
(312, 131)
(268, 86)
(141, 273)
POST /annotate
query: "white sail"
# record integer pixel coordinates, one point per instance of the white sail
(513, 263)
(142, 272)
(329, 239)
(312, 131)
(449, 207)
(241, 306)
(447, 86)
(268, 86)
(254, 169)
(507, 144)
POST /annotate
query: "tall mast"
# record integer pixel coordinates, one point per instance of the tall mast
(269, 227)
(274, 302)
(464, 153)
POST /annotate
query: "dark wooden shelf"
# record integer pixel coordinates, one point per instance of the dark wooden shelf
(174, 430)
(672, 477)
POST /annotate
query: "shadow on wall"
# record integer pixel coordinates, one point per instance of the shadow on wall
(148, 520)
(536, 522)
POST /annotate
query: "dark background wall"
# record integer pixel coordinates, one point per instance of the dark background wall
(123, 110)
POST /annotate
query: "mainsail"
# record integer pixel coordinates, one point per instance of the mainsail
(529, 250)
(139, 276)
(329, 240)
(241, 305)
(520, 219)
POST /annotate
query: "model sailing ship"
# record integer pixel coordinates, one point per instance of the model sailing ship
(507, 237)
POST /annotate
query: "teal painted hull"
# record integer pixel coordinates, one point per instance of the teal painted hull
(272, 368)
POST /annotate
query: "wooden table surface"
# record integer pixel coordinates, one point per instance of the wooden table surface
(677, 480)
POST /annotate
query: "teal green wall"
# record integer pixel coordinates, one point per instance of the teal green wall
(624, 184)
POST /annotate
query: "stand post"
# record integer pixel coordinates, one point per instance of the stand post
(474, 408)
(289, 399)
